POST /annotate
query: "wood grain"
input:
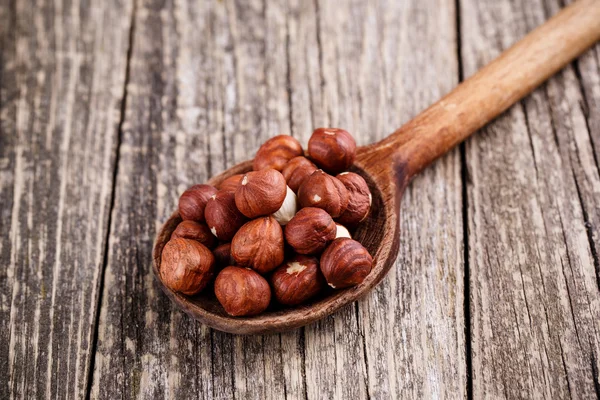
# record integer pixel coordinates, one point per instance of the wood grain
(533, 195)
(62, 68)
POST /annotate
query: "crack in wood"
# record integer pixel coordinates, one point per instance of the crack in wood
(119, 134)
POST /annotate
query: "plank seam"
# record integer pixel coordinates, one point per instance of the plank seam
(94, 346)
(465, 216)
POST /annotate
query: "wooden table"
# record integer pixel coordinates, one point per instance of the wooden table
(110, 109)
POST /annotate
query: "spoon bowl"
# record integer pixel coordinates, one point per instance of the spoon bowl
(388, 166)
(378, 233)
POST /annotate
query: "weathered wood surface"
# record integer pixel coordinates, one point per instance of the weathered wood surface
(533, 216)
(202, 84)
(62, 70)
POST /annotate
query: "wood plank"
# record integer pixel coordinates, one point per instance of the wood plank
(62, 70)
(209, 82)
(377, 77)
(533, 198)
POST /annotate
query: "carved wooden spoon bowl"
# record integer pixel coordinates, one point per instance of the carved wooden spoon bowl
(389, 165)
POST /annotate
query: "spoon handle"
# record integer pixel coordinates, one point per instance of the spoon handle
(493, 89)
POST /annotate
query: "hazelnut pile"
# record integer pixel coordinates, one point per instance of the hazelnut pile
(281, 230)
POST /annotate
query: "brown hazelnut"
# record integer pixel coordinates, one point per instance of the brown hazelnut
(193, 202)
(195, 231)
(242, 291)
(342, 232)
(261, 193)
(232, 183)
(332, 149)
(297, 280)
(223, 256)
(222, 216)
(310, 231)
(360, 199)
(345, 263)
(259, 245)
(324, 191)
(186, 266)
(296, 171)
(276, 152)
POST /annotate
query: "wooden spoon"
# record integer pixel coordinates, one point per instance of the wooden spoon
(388, 166)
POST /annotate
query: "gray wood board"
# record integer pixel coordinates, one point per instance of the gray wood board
(62, 70)
(109, 111)
(533, 217)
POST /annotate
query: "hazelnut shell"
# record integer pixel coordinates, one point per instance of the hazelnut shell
(222, 216)
(310, 231)
(192, 202)
(195, 231)
(324, 191)
(259, 245)
(276, 152)
(345, 263)
(359, 200)
(332, 149)
(242, 292)
(261, 193)
(296, 171)
(186, 266)
(232, 183)
(298, 280)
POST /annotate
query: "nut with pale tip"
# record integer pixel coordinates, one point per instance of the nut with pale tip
(261, 193)
(324, 191)
(222, 216)
(288, 209)
(186, 266)
(345, 263)
(297, 280)
(276, 152)
(192, 202)
(342, 232)
(196, 231)
(232, 183)
(332, 149)
(310, 231)
(359, 200)
(297, 170)
(242, 291)
(259, 245)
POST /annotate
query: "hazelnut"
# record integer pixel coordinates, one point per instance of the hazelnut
(297, 280)
(310, 231)
(345, 263)
(288, 209)
(223, 256)
(186, 266)
(242, 291)
(259, 245)
(360, 199)
(193, 202)
(261, 193)
(232, 183)
(195, 231)
(342, 232)
(276, 152)
(332, 149)
(222, 216)
(324, 191)
(297, 170)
